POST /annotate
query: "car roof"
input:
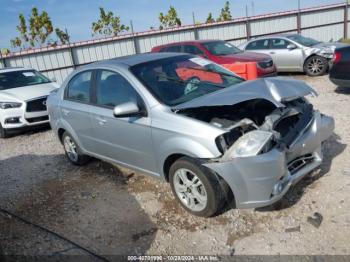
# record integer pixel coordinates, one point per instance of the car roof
(274, 36)
(14, 69)
(190, 42)
(132, 60)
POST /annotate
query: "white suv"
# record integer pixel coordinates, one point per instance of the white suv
(23, 94)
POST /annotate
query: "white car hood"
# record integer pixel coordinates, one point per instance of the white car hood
(27, 92)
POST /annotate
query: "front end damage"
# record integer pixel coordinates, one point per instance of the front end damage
(269, 144)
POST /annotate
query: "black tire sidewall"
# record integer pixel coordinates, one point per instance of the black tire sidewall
(209, 181)
(3, 133)
(324, 60)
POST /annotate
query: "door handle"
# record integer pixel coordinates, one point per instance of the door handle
(65, 112)
(101, 120)
(272, 53)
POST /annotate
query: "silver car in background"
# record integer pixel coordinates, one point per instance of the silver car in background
(295, 53)
(188, 121)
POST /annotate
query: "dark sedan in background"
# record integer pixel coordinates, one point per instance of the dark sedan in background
(339, 73)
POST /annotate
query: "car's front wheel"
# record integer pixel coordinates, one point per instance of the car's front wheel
(316, 66)
(73, 151)
(3, 132)
(196, 188)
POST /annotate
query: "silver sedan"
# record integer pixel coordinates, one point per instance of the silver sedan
(214, 137)
(295, 53)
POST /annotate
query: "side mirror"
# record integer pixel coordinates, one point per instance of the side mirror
(291, 47)
(53, 79)
(203, 56)
(128, 109)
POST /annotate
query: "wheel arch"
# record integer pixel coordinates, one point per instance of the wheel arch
(311, 55)
(227, 190)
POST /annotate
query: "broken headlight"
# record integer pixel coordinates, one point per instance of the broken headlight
(250, 144)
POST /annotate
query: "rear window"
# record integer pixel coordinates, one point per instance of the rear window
(15, 79)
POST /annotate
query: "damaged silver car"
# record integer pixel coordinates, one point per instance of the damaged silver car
(213, 136)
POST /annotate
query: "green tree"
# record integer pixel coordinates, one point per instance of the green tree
(108, 24)
(5, 51)
(37, 33)
(170, 19)
(210, 19)
(62, 36)
(225, 14)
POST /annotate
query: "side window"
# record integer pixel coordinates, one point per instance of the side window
(113, 89)
(191, 49)
(79, 87)
(172, 49)
(279, 43)
(258, 45)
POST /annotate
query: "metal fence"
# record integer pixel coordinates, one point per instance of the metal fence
(325, 23)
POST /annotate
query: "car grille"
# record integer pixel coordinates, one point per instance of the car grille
(265, 64)
(300, 162)
(37, 105)
(37, 119)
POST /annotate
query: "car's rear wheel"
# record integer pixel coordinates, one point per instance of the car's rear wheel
(316, 66)
(3, 132)
(73, 151)
(196, 188)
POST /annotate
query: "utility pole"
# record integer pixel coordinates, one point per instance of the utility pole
(248, 29)
(299, 18)
(195, 31)
(136, 49)
(346, 14)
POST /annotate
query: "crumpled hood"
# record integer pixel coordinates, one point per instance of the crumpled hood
(276, 90)
(331, 46)
(27, 92)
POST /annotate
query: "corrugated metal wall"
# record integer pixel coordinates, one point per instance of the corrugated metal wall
(323, 23)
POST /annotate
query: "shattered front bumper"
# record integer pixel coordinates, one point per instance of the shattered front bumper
(264, 179)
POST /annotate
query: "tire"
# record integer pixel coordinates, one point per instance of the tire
(73, 151)
(3, 132)
(316, 66)
(204, 200)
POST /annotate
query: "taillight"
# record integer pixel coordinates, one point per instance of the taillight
(336, 57)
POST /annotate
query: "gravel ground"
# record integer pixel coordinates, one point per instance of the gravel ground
(111, 210)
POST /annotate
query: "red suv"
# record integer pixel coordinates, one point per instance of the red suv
(221, 52)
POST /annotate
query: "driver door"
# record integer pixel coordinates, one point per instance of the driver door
(125, 140)
(284, 58)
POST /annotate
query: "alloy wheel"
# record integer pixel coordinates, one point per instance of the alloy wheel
(190, 190)
(315, 66)
(71, 148)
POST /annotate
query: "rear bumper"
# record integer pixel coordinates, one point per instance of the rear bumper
(340, 82)
(264, 179)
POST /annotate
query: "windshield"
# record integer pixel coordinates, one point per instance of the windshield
(15, 79)
(179, 79)
(305, 41)
(221, 48)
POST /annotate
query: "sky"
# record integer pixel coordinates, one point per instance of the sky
(77, 16)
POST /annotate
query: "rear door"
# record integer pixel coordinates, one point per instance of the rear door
(284, 58)
(76, 106)
(125, 140)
